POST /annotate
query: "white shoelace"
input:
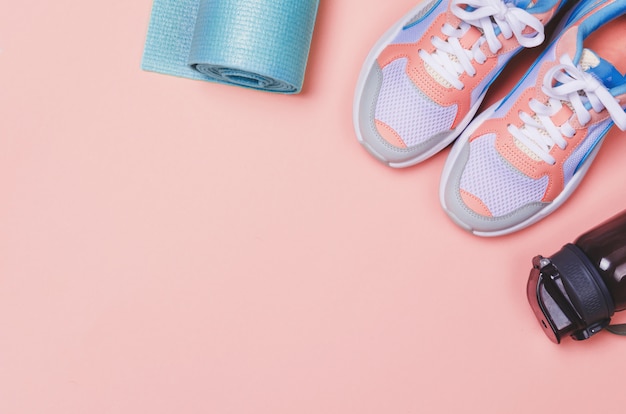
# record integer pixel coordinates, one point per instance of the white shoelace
(564, 83)
(451, 60)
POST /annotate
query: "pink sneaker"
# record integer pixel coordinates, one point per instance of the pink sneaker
(424, 80)
(524, 156)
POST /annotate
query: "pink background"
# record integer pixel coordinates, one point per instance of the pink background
(174, 246)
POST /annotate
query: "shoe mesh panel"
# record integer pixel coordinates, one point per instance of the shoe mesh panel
(495, 182)
(408, 111)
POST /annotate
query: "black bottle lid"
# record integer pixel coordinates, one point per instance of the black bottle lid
(568, 295)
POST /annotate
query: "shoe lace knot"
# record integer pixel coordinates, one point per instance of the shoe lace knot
(492, 18)
(564, 84)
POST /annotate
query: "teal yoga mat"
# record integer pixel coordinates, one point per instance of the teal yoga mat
(259, 44)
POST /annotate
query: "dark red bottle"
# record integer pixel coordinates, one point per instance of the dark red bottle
(577, 290)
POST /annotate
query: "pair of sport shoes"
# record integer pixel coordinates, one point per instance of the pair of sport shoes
(521, 158)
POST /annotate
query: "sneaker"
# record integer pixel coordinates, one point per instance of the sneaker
(524, 156)
(425, 78)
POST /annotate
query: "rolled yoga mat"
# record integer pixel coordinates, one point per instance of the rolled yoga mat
(259, 44)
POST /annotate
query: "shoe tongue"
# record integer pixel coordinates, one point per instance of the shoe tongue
(603, 70)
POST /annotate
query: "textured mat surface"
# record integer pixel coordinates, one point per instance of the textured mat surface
(260, 44)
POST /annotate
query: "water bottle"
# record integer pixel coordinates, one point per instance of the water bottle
(577, 290)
